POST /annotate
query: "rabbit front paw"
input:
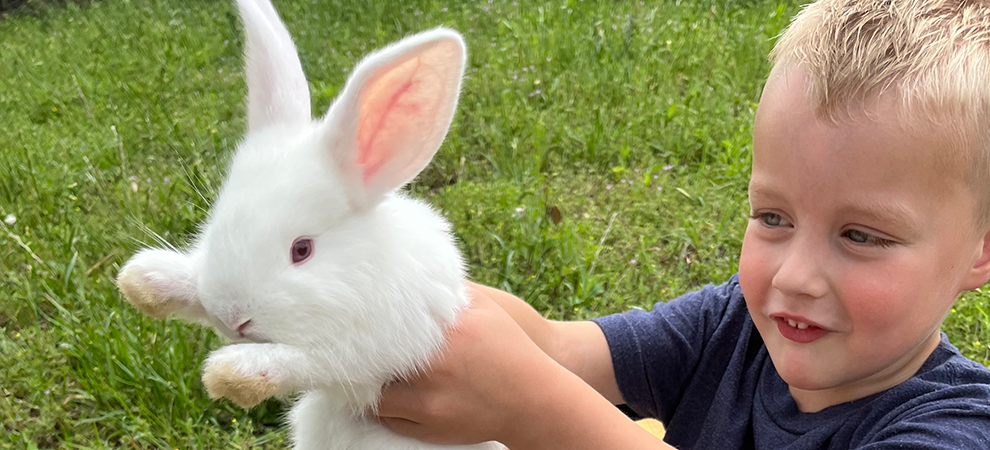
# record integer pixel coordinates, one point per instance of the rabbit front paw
(232, 373)
(246, 391)
(158, 283)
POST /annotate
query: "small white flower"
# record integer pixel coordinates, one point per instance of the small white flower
(10, 219)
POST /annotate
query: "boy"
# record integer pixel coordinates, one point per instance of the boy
(870, 197)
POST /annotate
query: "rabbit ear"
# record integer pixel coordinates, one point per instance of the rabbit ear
(394, 113)
(277, 89)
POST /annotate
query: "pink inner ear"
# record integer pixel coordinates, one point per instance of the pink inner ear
(398, 109)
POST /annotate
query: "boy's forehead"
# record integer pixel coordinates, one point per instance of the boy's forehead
(867, 139)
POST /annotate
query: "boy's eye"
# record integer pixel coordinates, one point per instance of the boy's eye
(770, 219)
(862, 237)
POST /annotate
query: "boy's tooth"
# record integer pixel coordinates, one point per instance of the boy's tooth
(796, 324)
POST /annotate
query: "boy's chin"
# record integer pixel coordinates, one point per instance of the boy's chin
(812, 392)
(804, 381)
(805, 372)
(802, 378)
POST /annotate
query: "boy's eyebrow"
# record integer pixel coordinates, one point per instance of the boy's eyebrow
(761, 191)
(888, 213)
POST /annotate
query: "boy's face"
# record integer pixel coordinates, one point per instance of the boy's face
(859, 243)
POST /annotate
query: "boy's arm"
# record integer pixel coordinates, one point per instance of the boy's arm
(578, 418)
(578, 346)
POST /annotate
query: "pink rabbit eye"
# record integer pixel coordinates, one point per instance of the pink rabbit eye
(302, 249)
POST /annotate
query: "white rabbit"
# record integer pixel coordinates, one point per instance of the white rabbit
(334, 282)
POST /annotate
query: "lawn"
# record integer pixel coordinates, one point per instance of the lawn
(598, 162)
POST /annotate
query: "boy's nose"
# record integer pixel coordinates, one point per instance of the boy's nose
(800, 273)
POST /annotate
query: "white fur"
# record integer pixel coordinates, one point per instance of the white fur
(385, 279)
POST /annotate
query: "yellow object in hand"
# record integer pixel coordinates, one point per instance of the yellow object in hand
(653, 426)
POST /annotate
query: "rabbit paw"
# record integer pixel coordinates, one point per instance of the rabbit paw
(158, 283)
(228, 374)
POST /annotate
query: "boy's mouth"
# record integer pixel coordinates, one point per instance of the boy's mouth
(798, 330)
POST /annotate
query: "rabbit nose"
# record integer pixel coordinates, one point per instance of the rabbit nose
(243, 326)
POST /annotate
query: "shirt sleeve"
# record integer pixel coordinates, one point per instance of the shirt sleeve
(958, 423)
(656, 353)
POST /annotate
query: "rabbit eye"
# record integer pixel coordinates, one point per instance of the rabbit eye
(302, 249)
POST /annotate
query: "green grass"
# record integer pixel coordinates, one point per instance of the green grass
(632, 120)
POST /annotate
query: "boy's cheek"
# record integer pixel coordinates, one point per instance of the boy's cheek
(870, 311)
(755, 269)
(886, 297)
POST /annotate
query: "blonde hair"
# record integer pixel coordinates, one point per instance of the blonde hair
(933, 54)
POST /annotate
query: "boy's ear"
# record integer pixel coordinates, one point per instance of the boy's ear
(980, 272)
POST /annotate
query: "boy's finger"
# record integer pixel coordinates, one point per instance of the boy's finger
(402, 426)
(480, 299)
(397, 423)
(396, 401)
(474, 293)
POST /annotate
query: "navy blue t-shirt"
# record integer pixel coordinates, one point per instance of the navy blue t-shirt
(699, 365)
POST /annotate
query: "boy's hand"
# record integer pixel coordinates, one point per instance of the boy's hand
(493, 383)
(490, 377)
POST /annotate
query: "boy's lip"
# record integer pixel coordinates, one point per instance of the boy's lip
(805, 332)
